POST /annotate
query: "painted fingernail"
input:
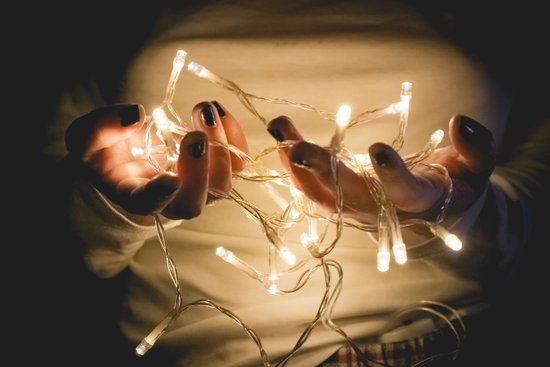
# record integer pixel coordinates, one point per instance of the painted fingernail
(276, 134)
(197, 149)
(219, 108)
(474, 132)
(129, 115)
(208, 116)
(382, 158)
(302, 163)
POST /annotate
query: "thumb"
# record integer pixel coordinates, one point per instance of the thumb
(474, 142)
(102, 128)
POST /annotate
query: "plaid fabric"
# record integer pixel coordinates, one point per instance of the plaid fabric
(398, 354)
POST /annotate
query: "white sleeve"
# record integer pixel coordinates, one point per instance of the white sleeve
(110, 236)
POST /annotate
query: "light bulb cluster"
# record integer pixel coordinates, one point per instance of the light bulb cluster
(165, 129)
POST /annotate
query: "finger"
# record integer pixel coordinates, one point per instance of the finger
(235, 136)
(103, 128)
(474, 142)
(147, 196)
(282, 128)
(193, 176)
(410, 193)
(317, 161)
(206, 119)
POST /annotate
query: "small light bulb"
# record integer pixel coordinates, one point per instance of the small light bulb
(308, 240)
(226, 255)
(383, 260)
(450, 240)
(343, 115)
(274, 289)
(453, 242)
(406, 89)
(179, 59)
(363, 159)
(161, 121)
(437, 137)
(398, 107)
(294, 213)
(286, 254)
(399, 253)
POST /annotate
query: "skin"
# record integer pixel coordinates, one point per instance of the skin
(470, 160)
(100, 144)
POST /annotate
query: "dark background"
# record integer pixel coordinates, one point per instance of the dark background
(62, 315)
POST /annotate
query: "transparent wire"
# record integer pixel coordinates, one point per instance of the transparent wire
(276, 225)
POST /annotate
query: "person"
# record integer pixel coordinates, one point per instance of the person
(353, 52)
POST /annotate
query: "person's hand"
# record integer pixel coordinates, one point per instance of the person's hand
(101, 142)
(418, 193)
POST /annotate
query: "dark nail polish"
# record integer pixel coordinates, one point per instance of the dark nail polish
(208, 115)
(129, 115)
(219, 108)
(300, 162)
(276, 134)
(197, 149)
(382, 158)
(474, 132)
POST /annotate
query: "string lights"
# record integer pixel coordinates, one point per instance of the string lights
(162, 152)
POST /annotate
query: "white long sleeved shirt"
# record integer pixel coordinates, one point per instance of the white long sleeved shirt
(323, 54)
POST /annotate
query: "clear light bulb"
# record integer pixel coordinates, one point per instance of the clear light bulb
(287, 255)
(343, 115)
(450, 240)
(437, 137)
(202, 72)
(400, 252)
(342, 121)
(163, 132)
(383, 256)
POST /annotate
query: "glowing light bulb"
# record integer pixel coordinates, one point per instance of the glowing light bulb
(450, 240)
(383, 261)
(179, 59)
(161, 120)
(343, 115)
(308, 240)
(226, 255)
(202, 72)
(363, 159)
(437, 137)
(383, 256)
(342, 121)
(294, 213)
(163, 132)
(274, 289)
(406, 89)
(399, 253)
(287, 255)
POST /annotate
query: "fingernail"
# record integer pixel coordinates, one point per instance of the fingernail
(219, 108)
(129, 115)
(302, 163)
(208, 115)
(276, 134)
(382, 158)
(197, 149)
(474, 132)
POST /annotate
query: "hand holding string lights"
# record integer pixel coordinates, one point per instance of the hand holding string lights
(337, 170)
